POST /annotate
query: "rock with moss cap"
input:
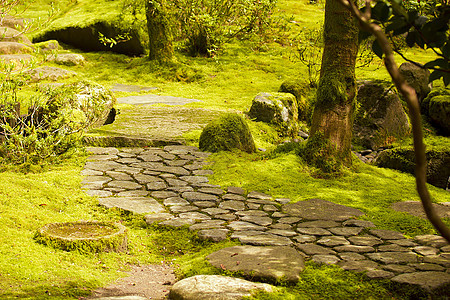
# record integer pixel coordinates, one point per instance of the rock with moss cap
(437, 107)
(299, 89)
(279, 109)
(226, 133)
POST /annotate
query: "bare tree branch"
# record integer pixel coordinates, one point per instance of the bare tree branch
(414, 112)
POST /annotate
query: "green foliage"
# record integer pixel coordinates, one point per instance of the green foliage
(227, 133)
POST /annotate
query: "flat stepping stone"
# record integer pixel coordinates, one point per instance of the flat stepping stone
(387, 234)
(208, 287)
(431, 240)
(429, 281)
(318, 209)
(394, 257)
(126, 185)
(177, 222)
(325, 259)
(157, 217)
(196, 196)
(415, 208)
(131, 88)
(313, 249)
(262, 239)
(102, 165)
(358, 265)
(215, 235)
(155, 99)
(265, 263)
(137, 205)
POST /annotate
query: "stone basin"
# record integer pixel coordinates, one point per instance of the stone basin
(84, 236)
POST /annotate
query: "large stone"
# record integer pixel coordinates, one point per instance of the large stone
(8, 34)
(430, 281)
(318, 209)
(227, 133)
(299, 89)
(49, 73)
(265, 263)
(261, 239)
(381, 118)
(415, 208)
(279, 109)
(403, 159)
(394, 257)
(437, 107)
(137, 205)
(417, 78)
(215, 287)
(67, 59)
(14, 48)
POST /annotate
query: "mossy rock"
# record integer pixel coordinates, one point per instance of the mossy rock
(437, 107)
(403, 159)
(84, 236)
(299, 89)
(227, 133)
(278, 109)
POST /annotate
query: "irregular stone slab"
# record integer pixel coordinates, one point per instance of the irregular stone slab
(102, 157)
(425, 250)
(49, 73)
(196, 196)
(354, 248)
(176, 182)
(367, 240)
(126, 185)
(325, 259)
(96, 179)
(236, 190)
(163, 194)
(346, 231)
(255, 213)
(98, 193)
(394, 257)
(331, 241)
(287, 233)
(351, 256)
(415, 208)
(215, 211)
(195, 179)
(182, 208)
(144, 179)
(283, 200)
(313, 231)
(427, 267)
(194, 216)
(278, 215)
(426, 280)
(358, 265)
(102, 165)
(215, 235)
(240, 225)
(281, 226)
(134, 193)
(262, 239)
(227, 217)
(358, 223)
(208, 224)
(260, 201)
(258, 195)
(305, 239)
(232, 205)
(437, 259)
(178, 222)
(156, 186)
(404, 242)
(265, 263)
(150, 219)
(155, 99)
(88, 172)
(431, 240)
(289, 220)
(208, 287)
(270, 207)
(319, 224)
(129, 170)
(213, 191)
(263, 221)
(392, 248)
(399, 268)
(175, 201)
(318, 209)
(379, 274)
(387, 234)
(313, 249)
(137, 205)
(233, 197)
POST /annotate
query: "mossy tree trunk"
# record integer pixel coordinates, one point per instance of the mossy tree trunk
(336, 93)
(159, 33)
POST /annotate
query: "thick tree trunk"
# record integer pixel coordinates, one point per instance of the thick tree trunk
(160, 37)
(336, 93)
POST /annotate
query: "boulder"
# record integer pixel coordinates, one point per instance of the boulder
(86, 38)
(380, 119)
(226, 133)
(14, 48)
(13, 22)
(297, 88)
(48, 73)
(437, 107)
(215, 287)
(82, 104)
(279, 109)
(67, 59)
(47, 46)
(417, 78)
(12, 35)
(438, 164)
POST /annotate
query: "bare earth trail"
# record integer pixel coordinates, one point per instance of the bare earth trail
(166, 182)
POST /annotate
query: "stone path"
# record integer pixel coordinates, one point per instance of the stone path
(169, 185)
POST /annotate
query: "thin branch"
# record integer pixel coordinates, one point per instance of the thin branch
(414, 111)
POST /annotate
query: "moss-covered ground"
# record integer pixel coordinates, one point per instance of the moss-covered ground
(227, 82)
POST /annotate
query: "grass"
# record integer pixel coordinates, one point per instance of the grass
(227, 82)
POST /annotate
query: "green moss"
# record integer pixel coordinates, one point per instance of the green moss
(300, 89)
(227, 133)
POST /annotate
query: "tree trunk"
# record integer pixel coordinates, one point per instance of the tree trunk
(160, 36)
(336, 93)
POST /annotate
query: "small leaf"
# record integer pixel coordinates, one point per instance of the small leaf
(446, 78)
(411, 38)
(435, 75)
(446, 49)
(440, 62)
(376, 48)
(381, 11)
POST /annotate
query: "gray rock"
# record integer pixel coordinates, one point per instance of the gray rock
(261, 239)
(365, 240)
(379, 274)
(126, 185)
(417, 78)
(289, 220)
(305, 239)
(195, 179)
(394, 257)
(262, 221)
(358, 223)
(265, 263)
(346, 231)
(204, 204)
(331, 241)
(215, 211)
(134, 193)
(102, 166)
(358, 265)
(156, 186)
(259, 195)
(317, 209)
(426, 280)
(232, 205)
(208, 287)
(9, 50)
(270, 208)
(151, 99)
(121, 298)
(415, 208)
(313, 249)
(325, 259)
(387, 234)
(392, 248)
(175, 201)
(101, 157)
(215, 235)
(163, 194)
(176, 182)
(281, 226)
(287, 233)
(67, 59)
(182, 208)
(398, 268)
(437, 259)
(98, 193)
(354, 248)
(178, 222)
(196, 196)
(319, 224)
(427, 267)
(226, 217)
(96, 180)
(404, 242)
(137, 205)
(351, 256)
(431, 240)
(194, 216)
(144, 179)
(208, 224)
(236, 190)
(49, 73)
(236, 197)
(152, 218)
(254, 213)
(313, 231)
(214, 191)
